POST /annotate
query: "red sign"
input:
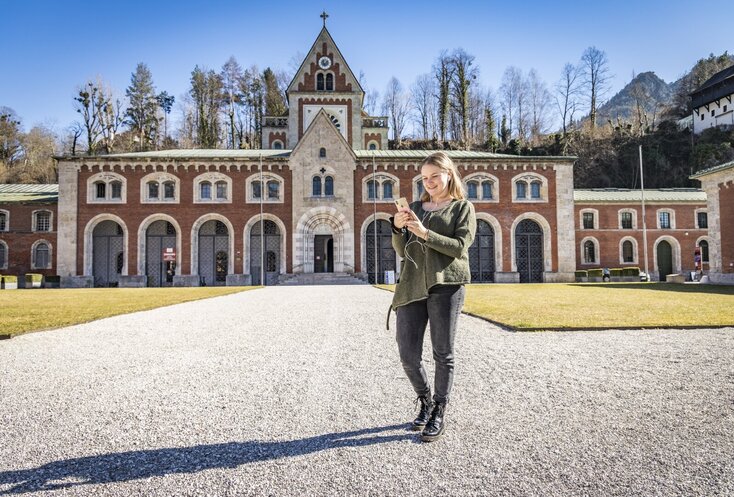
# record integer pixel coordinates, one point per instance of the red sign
(169, 254)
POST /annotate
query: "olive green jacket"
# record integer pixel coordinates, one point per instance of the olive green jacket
(441, 259)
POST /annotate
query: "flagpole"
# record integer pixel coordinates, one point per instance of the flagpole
(262, 226)
(644, 222)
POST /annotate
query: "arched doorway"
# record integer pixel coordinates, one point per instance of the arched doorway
(160, 239)
(380, 256)
(665, 259)
(270, 252)
(213, 253)
(323, 254)
(481, 254)
(529, 251)
(108, 254)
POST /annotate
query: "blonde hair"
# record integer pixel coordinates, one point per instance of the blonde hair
(444, 162)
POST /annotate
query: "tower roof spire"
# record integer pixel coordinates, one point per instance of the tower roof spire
(323, 16)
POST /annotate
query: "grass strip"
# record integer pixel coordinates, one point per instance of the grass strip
(23, 311)
(534, 307)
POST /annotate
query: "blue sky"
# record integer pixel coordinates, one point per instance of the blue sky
(51, 47)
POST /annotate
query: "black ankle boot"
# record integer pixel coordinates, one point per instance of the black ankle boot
(425, 412)
(436, 423)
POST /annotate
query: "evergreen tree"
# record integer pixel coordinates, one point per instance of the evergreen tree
(165, 102)
(206, 91)
(491, 125)
(274, 98)
(504, 131)
(142, 114)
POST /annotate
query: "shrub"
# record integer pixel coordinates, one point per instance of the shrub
(581, 274)
(615, 272)
(631, 271)
(596, 273)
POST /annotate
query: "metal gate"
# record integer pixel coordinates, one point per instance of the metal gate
(159, 236)
(271, 253)
(481, 254)
(107, 253)
(665, 259)
(213, 253)
(383, 259)
(529, 251)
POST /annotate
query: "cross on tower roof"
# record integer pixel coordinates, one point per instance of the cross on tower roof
(323, 16)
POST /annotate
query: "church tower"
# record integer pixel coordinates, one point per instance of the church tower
(325, 81)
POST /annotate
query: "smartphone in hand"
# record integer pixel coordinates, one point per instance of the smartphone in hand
(402, 204)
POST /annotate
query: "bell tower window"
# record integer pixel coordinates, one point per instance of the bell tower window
(329, 82)
(320, 82)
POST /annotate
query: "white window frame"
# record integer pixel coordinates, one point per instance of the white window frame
(50, 254)
(417, 195)
(596, 251)
(161, 178)
(671, 214)
(635, 257)
(380, 178)
(279, 142)
(375, 143)
(634, 218)
(589, 210)
(266, 176)
(108, 178)
(50, 221)
(7, 221)
(481, 177)
(212, 177)
(528, 178)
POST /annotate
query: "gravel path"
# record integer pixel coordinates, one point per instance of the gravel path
(299, 391)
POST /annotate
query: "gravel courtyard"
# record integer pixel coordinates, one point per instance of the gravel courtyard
(299, 391)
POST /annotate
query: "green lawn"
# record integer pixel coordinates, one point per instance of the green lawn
(531, 307)
(22, 311)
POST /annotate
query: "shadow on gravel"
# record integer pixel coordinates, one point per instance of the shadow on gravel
(135, 465)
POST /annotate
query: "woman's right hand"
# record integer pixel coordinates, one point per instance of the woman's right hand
(402, 218)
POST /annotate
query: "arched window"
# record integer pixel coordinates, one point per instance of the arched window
(153, 190)
(387, 190)
(322, 153)
(329, 82)
(320, 82)
(277, 145)
(329, 186)
(256, 189)
(589, 252)
(535, 189)
(116, 190)
(373, 146)
(704, 246)
(43, 221)
(100, 189)
(628, 254)
(273, 189)
(371, 190)
(521, 189)
(206, 190)
(471, 188)
(221, 190)
(316, 189)
(41, 256)
(486, 189)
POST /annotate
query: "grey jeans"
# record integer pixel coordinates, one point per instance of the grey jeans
(441, 309)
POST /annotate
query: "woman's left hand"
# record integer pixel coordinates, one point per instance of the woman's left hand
(416, 227)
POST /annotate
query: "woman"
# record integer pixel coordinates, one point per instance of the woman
(433, 239)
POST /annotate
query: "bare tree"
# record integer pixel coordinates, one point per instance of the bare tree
(102, 115)
(396, 105)
(231, 75)
(539, 97)
(422, 95)
(595, 67)
(567, 93)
